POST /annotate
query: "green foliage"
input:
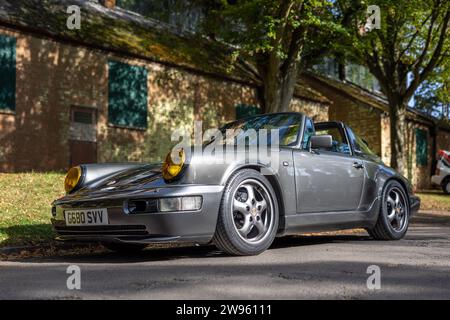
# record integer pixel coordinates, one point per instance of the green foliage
(268, 26)
(433, 96)
(412, 41)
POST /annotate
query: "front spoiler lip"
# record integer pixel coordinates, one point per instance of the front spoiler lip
(134, 239)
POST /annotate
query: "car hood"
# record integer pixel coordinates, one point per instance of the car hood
(138, 178)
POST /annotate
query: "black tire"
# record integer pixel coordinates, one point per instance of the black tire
(124, 247)
(228, 236)
(385, 228)
(446, 185)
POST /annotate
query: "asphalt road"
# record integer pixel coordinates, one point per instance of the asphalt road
(315, 267)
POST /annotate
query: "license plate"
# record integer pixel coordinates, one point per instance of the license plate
(88, 217)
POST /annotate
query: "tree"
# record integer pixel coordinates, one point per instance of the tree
(275, 38)
(413, 40)
(433, 95)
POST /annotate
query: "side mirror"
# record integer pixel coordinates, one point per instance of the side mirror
(323, 141)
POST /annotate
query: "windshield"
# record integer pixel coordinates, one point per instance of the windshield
(247, 130)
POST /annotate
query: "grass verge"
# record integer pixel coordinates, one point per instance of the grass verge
(434, 200)
(25, 207)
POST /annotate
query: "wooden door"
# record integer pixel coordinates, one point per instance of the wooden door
(83, 136)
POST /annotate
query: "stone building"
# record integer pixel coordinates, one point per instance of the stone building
(116, 89)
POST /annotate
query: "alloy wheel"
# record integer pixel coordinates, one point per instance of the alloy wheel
(252, 211)
(396, 209)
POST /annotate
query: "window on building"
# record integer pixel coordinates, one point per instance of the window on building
(327, 67)
(421, 147)
(8, 73)
(127, 95)
(183, 15)
(245, 110)
(362, 77)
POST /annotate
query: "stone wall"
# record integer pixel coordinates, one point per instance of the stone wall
(365, 122)
(418, 175)
(317, 111)
(443, 140)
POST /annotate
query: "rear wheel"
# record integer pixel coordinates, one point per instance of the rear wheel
(393, 220)
(446, 185)
(124, 247)
(248, 215)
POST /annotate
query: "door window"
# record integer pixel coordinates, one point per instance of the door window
(340, 144)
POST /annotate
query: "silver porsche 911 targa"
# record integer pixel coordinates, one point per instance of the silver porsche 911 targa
(321, 177)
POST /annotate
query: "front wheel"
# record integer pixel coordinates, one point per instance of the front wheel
(248, 215)
(393, 220)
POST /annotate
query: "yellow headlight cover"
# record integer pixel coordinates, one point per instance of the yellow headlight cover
(72, 178)
(171, 168)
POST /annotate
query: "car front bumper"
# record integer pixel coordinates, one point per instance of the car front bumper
(437, 180)
(186, 226)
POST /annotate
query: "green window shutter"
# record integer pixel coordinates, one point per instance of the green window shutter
(421, 147)
(127, 95)
(244, 110)
(7, 73)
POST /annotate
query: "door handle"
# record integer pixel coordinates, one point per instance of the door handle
(358, 165)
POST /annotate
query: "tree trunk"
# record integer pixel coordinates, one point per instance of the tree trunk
(397, 116)
(278, 88)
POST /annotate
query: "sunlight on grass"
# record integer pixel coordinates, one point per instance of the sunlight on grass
(25, 205)
(434, 200)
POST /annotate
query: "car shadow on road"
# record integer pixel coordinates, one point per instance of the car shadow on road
(152, 254)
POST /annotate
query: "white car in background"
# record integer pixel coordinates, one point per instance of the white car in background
(442, 176)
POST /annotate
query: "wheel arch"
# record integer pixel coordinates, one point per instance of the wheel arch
(402, 183)
(275, 184)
